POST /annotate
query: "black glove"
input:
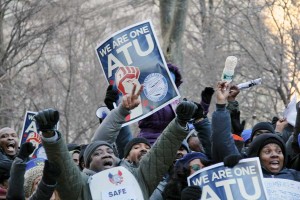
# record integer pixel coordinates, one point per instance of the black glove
(51, 173)
(191, 193)
(206, 94)
(274, 120)
(111, 97)
(232, 160)
(298, 106)
(25, 150)
(199, 113)
(236, 124)
(47, 119)
(185, 111)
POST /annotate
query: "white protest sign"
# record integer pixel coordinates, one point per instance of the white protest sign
(290, 112)
(244, 181)
(282, 189)
(115, 184)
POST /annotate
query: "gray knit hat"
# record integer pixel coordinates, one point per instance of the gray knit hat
(133, 142)
(90, 150)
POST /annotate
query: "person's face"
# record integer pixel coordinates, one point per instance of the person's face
(75, 157)
(271, 157)
(195, 165)
(103, 158)
(181, 152)
(259, 132)
(137, 152)
(9, 141)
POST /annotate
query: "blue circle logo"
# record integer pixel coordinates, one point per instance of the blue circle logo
(155, 87)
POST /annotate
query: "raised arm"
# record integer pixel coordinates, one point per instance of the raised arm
(163, 153)
(222, 140)
(109, 129)
(70, 183)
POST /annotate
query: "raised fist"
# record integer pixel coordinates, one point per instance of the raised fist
(47, 119)
(126, 77)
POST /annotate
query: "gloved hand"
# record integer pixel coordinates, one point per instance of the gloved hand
(206, 94)
(110, 97)
(47, 119)
(199, 113)
(274, 120)
(185, 111)
(236, 124)
(26, 150)
(51, 173)
(191, 193)
(232, 160)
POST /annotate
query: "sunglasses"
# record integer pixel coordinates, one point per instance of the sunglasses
(195, 167)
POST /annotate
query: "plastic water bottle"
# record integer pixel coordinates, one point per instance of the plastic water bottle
(228, 71)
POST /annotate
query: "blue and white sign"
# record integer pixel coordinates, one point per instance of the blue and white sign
(133, 56)
(30, 134)
(244, 181)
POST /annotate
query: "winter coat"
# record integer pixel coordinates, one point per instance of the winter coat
(16, 181)
(222, 140)
(73, 184)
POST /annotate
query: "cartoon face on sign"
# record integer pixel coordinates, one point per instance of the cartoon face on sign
(116, 179)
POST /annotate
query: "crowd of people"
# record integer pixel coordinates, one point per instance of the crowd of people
(173, 143)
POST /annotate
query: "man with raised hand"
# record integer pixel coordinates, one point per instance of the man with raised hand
(72, 184)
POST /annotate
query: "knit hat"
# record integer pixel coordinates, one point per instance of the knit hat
(187, 158)
(133, 142)
(261, 126)
(262, 140)
(90, 150)
(34, 170)
(191, 193)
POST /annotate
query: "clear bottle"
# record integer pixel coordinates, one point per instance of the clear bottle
(228, 71)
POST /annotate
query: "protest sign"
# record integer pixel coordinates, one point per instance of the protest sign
(133, 56)
(115, 184)
(290, 111)
(282, 189)
(30, 134)
(244, 181)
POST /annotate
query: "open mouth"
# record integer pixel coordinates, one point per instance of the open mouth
(10, 147)
(274, 163)
(107, 162)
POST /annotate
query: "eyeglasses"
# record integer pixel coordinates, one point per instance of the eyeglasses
(195, 167)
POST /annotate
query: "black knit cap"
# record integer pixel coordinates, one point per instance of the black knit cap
(262, 126)
(90, 150)
(133, 142)
(262, 140)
